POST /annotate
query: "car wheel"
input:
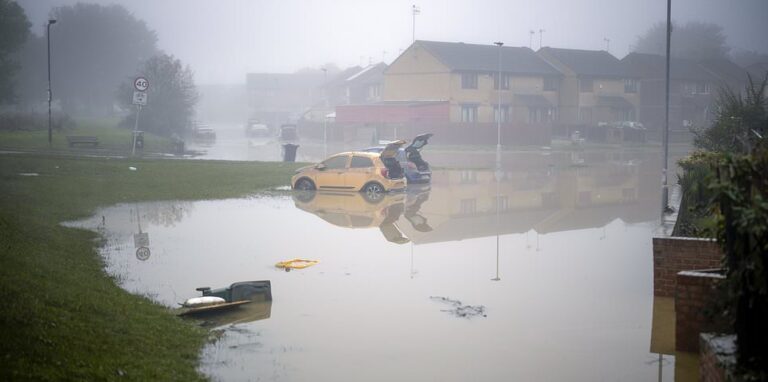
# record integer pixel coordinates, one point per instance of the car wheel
(373, 191)
(304, 184)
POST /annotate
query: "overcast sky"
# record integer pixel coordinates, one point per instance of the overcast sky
(222, 40)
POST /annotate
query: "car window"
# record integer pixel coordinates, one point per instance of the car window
(336, 163)
(361, 162)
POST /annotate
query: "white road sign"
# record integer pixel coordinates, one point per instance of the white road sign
(141, 84)
(140, 98)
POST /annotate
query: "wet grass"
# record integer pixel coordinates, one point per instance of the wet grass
(62, 317)
(111, 138)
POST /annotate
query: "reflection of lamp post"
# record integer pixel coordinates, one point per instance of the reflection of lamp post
(498, 174)
(50, 93)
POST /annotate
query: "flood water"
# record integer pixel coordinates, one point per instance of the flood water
(554, 252)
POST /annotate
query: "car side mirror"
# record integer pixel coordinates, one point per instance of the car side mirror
(320, 166)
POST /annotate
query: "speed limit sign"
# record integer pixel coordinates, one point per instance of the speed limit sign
(141, 84)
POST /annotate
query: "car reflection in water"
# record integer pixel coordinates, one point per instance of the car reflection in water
(355, 210)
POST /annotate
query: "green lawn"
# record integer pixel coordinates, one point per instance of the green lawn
(62, 317)
(111, 138)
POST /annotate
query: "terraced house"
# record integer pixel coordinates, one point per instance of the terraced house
(455, 91)
(596, 93)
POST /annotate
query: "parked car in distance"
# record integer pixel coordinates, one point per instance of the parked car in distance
(254, 128)
(416, 168)
(204, 132)
(288, 132)
(372, 173)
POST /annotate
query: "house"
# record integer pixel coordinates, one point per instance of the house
(692, 91)
(596, 90)
(464, 79)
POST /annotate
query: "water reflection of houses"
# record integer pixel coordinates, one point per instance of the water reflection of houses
(550, 197)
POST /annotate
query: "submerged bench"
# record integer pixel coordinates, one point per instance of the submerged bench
(82, 140)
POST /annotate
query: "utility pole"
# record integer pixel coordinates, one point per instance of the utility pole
(541, 37)
(607, 44)
(415, 11)
(665, 186)
(50, 92)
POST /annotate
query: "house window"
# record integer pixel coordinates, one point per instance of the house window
(502, 202)
(469, 80)
(541, 114)
(504, 114)
(550, 84)
(374, 91)
(469, 113)
(468, 206)
(702, 88)
(586, 85)
(630, 85)
(504, 81)
(468, 177)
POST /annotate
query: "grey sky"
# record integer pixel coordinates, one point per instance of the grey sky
(223, 40)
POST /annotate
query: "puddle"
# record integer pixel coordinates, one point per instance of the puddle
(557, 278)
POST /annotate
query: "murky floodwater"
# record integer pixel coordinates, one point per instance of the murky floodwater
(562, 270)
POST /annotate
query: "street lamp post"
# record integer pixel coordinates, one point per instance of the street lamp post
(50, 93)
(498, 114)
(665, 188)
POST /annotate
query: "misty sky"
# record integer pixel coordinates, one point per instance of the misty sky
(222, 40)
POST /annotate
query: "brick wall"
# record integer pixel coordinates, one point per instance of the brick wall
(694, 294)
(674, 254)
(717, 357)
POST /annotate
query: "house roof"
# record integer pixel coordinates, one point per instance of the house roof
(591, 63)
(726, 70)
(652, 66)
(369, 74)
(458, 56)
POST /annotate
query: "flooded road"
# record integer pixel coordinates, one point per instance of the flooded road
(554, 252)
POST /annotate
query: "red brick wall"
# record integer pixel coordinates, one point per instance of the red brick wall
(714, 360)
(694, 294)
(674, 254)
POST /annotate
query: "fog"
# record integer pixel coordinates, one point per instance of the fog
(222, 41)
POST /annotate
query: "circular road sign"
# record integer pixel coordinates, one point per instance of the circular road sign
(141, 84)
(142, 253)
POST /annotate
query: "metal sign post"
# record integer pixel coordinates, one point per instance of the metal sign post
(141, 85)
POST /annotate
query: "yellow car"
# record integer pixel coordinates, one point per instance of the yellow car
(370, 173)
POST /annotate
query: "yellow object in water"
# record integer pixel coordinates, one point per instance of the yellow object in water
(296, 264)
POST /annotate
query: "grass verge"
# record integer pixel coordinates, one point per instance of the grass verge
(62, 317)
(111, 138)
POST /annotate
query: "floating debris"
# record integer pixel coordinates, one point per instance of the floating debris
(459, 309)
(28, 174)
(296, 264)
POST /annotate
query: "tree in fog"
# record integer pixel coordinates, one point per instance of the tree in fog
(14, 30)
(93, 48)
(693, 40)
(172, 96)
